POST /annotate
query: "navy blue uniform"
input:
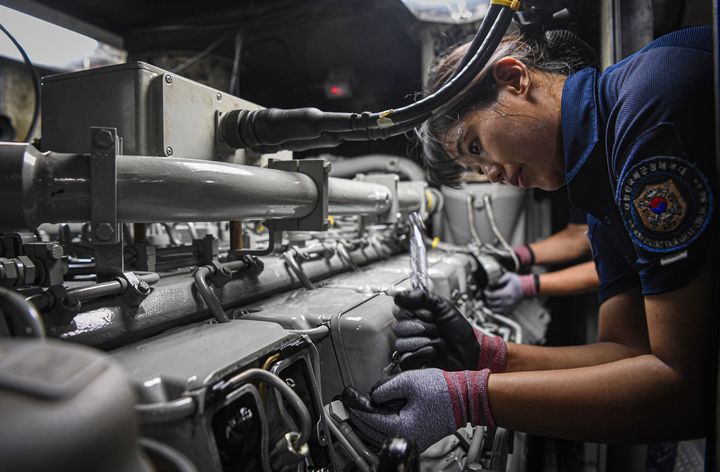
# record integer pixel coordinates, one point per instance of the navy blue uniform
(638, 143)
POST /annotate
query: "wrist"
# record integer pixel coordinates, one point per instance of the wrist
(493, 352)
(530, 285)
(468, 391)
(526, 257)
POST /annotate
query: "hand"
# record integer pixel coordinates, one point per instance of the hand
(522, 262)
(510, 290)
(431, 332)
(436, 404)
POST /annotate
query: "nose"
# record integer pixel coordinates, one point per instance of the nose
(493, 172)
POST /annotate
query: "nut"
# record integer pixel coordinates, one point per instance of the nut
(104, 232)
(103, 138)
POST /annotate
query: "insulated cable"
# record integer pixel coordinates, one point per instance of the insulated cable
(307, 128)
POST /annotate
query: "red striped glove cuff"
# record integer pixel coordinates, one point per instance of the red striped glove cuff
(493, 352)
(469, 397)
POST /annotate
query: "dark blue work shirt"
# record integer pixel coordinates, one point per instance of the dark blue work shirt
(638, 143)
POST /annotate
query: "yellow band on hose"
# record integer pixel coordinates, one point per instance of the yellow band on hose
(429, 199)
(435, 242)
(331, 220)
(514, 4)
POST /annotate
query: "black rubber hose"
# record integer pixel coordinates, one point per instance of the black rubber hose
(14, 305)
(306, 128)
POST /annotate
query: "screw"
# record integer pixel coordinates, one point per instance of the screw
(55, 252)
(169, 151)
(104, 232)
(103, 138)
(219, 96)
(143, 287)
(168, 78)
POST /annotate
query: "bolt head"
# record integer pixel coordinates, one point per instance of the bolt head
(55, 251)
(168, 78)
(104, 232)
(169, 151)
(219, 96)
(103, 138)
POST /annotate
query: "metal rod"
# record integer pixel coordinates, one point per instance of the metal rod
(236, 235)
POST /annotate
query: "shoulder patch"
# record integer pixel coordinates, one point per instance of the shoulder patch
(666, 203)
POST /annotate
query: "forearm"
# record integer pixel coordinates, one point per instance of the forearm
(581, 278)
(636, 399)
(564, 246)
(524, 357)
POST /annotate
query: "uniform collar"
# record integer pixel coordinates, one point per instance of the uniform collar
(585, 168)
(579, 120)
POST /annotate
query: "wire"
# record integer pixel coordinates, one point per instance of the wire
(35, 80)
(14, 305)
(234, 87)
(202, 54)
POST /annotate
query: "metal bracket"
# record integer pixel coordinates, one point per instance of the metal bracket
(106, 233)
(318, 170)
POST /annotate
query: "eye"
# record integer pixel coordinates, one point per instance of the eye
(474, 147)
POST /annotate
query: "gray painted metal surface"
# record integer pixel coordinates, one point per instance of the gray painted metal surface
(55, 188)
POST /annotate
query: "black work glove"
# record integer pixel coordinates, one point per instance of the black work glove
(431, 332)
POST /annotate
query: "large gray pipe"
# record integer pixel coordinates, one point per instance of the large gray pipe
(349, 167)
(40, 188)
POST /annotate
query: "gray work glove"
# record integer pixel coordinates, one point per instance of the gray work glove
(422, 406)
(509, 291)
(431, 332)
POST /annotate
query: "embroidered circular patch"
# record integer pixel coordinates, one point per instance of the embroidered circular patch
(666, 203)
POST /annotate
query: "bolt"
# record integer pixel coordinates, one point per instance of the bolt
(219, 96)
(169, 151)
(54, 251)
(103, 138)
(168, 78)
(104, 232)
(143, 287)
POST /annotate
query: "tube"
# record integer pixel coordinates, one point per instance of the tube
(55, 188)
(303, 415)
(350, 197)
(349, 167)
(276, 127)
(13, 304)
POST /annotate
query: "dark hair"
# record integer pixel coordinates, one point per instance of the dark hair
(556, 52)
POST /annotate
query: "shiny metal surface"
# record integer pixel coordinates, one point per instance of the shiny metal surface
(55, 189)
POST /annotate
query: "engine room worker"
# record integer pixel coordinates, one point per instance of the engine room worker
(635, 148)
(567, 245)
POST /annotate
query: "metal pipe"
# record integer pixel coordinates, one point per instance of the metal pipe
(55, 188)
(113, 287)
(14, 305)
(350, 197)
(206, 293)
(236, 235)
(409, 198)
(350, 167)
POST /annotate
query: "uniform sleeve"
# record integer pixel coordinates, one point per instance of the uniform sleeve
(615, 272)
(662, 157)
(577, 216)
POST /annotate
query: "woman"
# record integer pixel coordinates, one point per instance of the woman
(635, 148)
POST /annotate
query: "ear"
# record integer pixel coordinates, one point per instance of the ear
(513, 75)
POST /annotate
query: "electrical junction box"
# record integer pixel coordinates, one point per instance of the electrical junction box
(156, 113)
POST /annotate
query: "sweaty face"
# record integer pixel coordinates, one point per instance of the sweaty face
(514, 141)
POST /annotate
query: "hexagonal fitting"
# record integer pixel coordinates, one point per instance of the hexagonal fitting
(104, 232)
(103, 138)
(55, 252)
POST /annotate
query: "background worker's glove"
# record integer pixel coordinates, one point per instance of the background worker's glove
(420, 405)
(431, 332)
(510, 290)
(521, 263)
